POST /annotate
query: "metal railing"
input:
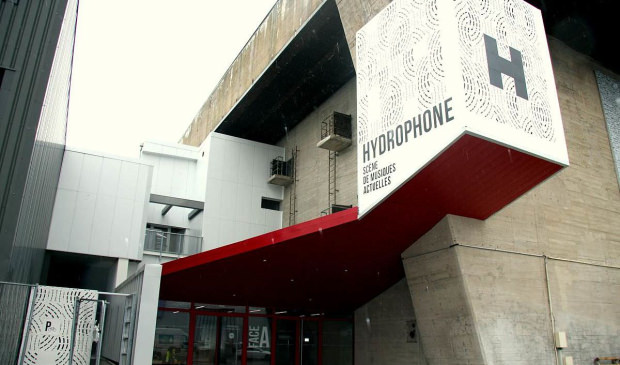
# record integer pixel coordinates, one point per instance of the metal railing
(171, 244)
(280, 167)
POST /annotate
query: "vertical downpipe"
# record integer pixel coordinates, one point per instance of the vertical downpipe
(555, 350)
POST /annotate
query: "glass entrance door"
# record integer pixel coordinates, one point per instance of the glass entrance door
(205, 340)
(231, 341)
(286, 341)
(203, 334)
(309, 342)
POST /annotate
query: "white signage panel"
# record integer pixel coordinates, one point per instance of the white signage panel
(430, 71)
(54, 325)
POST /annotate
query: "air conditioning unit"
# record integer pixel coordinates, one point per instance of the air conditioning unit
(339, 207)
(336, 132)
(335, 208)
(281, 171)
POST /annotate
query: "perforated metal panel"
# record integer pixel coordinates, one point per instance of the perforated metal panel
(54, 325)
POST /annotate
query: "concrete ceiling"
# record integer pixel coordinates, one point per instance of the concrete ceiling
(589, 27)
(315, 64)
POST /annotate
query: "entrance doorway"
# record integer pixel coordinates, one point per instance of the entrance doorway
(201, 334)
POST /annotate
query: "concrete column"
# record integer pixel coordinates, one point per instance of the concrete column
(440, 300)
(122, 267)
(477, 305)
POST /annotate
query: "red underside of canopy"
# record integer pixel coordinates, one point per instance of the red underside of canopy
(337, 263)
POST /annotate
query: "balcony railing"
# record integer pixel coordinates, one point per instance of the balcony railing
(171, 244)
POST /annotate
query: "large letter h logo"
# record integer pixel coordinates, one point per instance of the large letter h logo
(499, 65)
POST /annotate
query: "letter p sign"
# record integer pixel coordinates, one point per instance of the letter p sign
(499, 65)
(52, 325)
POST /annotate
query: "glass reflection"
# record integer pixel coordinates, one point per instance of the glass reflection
(259, 341)
(171, 336)
(205, 340)
(231, 341)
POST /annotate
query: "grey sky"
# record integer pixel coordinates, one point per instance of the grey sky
(143, 68)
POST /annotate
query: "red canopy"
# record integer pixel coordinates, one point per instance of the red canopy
(337, 263)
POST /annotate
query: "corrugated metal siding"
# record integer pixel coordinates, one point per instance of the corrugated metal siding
(13, 312)
(40, 192)
(30, 150)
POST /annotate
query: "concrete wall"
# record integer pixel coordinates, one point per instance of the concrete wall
(354, 14)
(278, 28)
(584, 299)
(494, 306)
(236, 182)
(445, 316)
(573, 216)
(312, 164)
(382, 330)
(100, 205)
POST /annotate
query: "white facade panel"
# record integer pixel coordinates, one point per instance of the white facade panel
(110, 176)
(90, 174)
(103, 221)
(123, 212)
(103, 214)
(236, 181)
(176, 169)
(70, 176)
(62, 219)
(128, 180)
(83, 217)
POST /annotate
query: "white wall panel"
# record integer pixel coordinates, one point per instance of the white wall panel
(163, 180)
(128, 180)
(258, 214)
(90, 174)
(62, 219)
(123, 212)
(110, 175)
(100, 206)
(243, 203)
(82, 221)
(175, 170)
(70, 171)
(102, 221)
(236, 181)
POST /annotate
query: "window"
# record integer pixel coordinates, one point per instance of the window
(272, 204)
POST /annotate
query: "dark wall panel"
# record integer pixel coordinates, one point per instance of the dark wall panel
(32, 136)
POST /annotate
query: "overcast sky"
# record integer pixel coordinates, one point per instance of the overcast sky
(143, 68)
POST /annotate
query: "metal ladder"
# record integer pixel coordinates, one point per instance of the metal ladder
(128, 330)
(331, 181)
(293, 189)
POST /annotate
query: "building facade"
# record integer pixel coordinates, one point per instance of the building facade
(356, 191)
(504, 288)
(36, 50)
